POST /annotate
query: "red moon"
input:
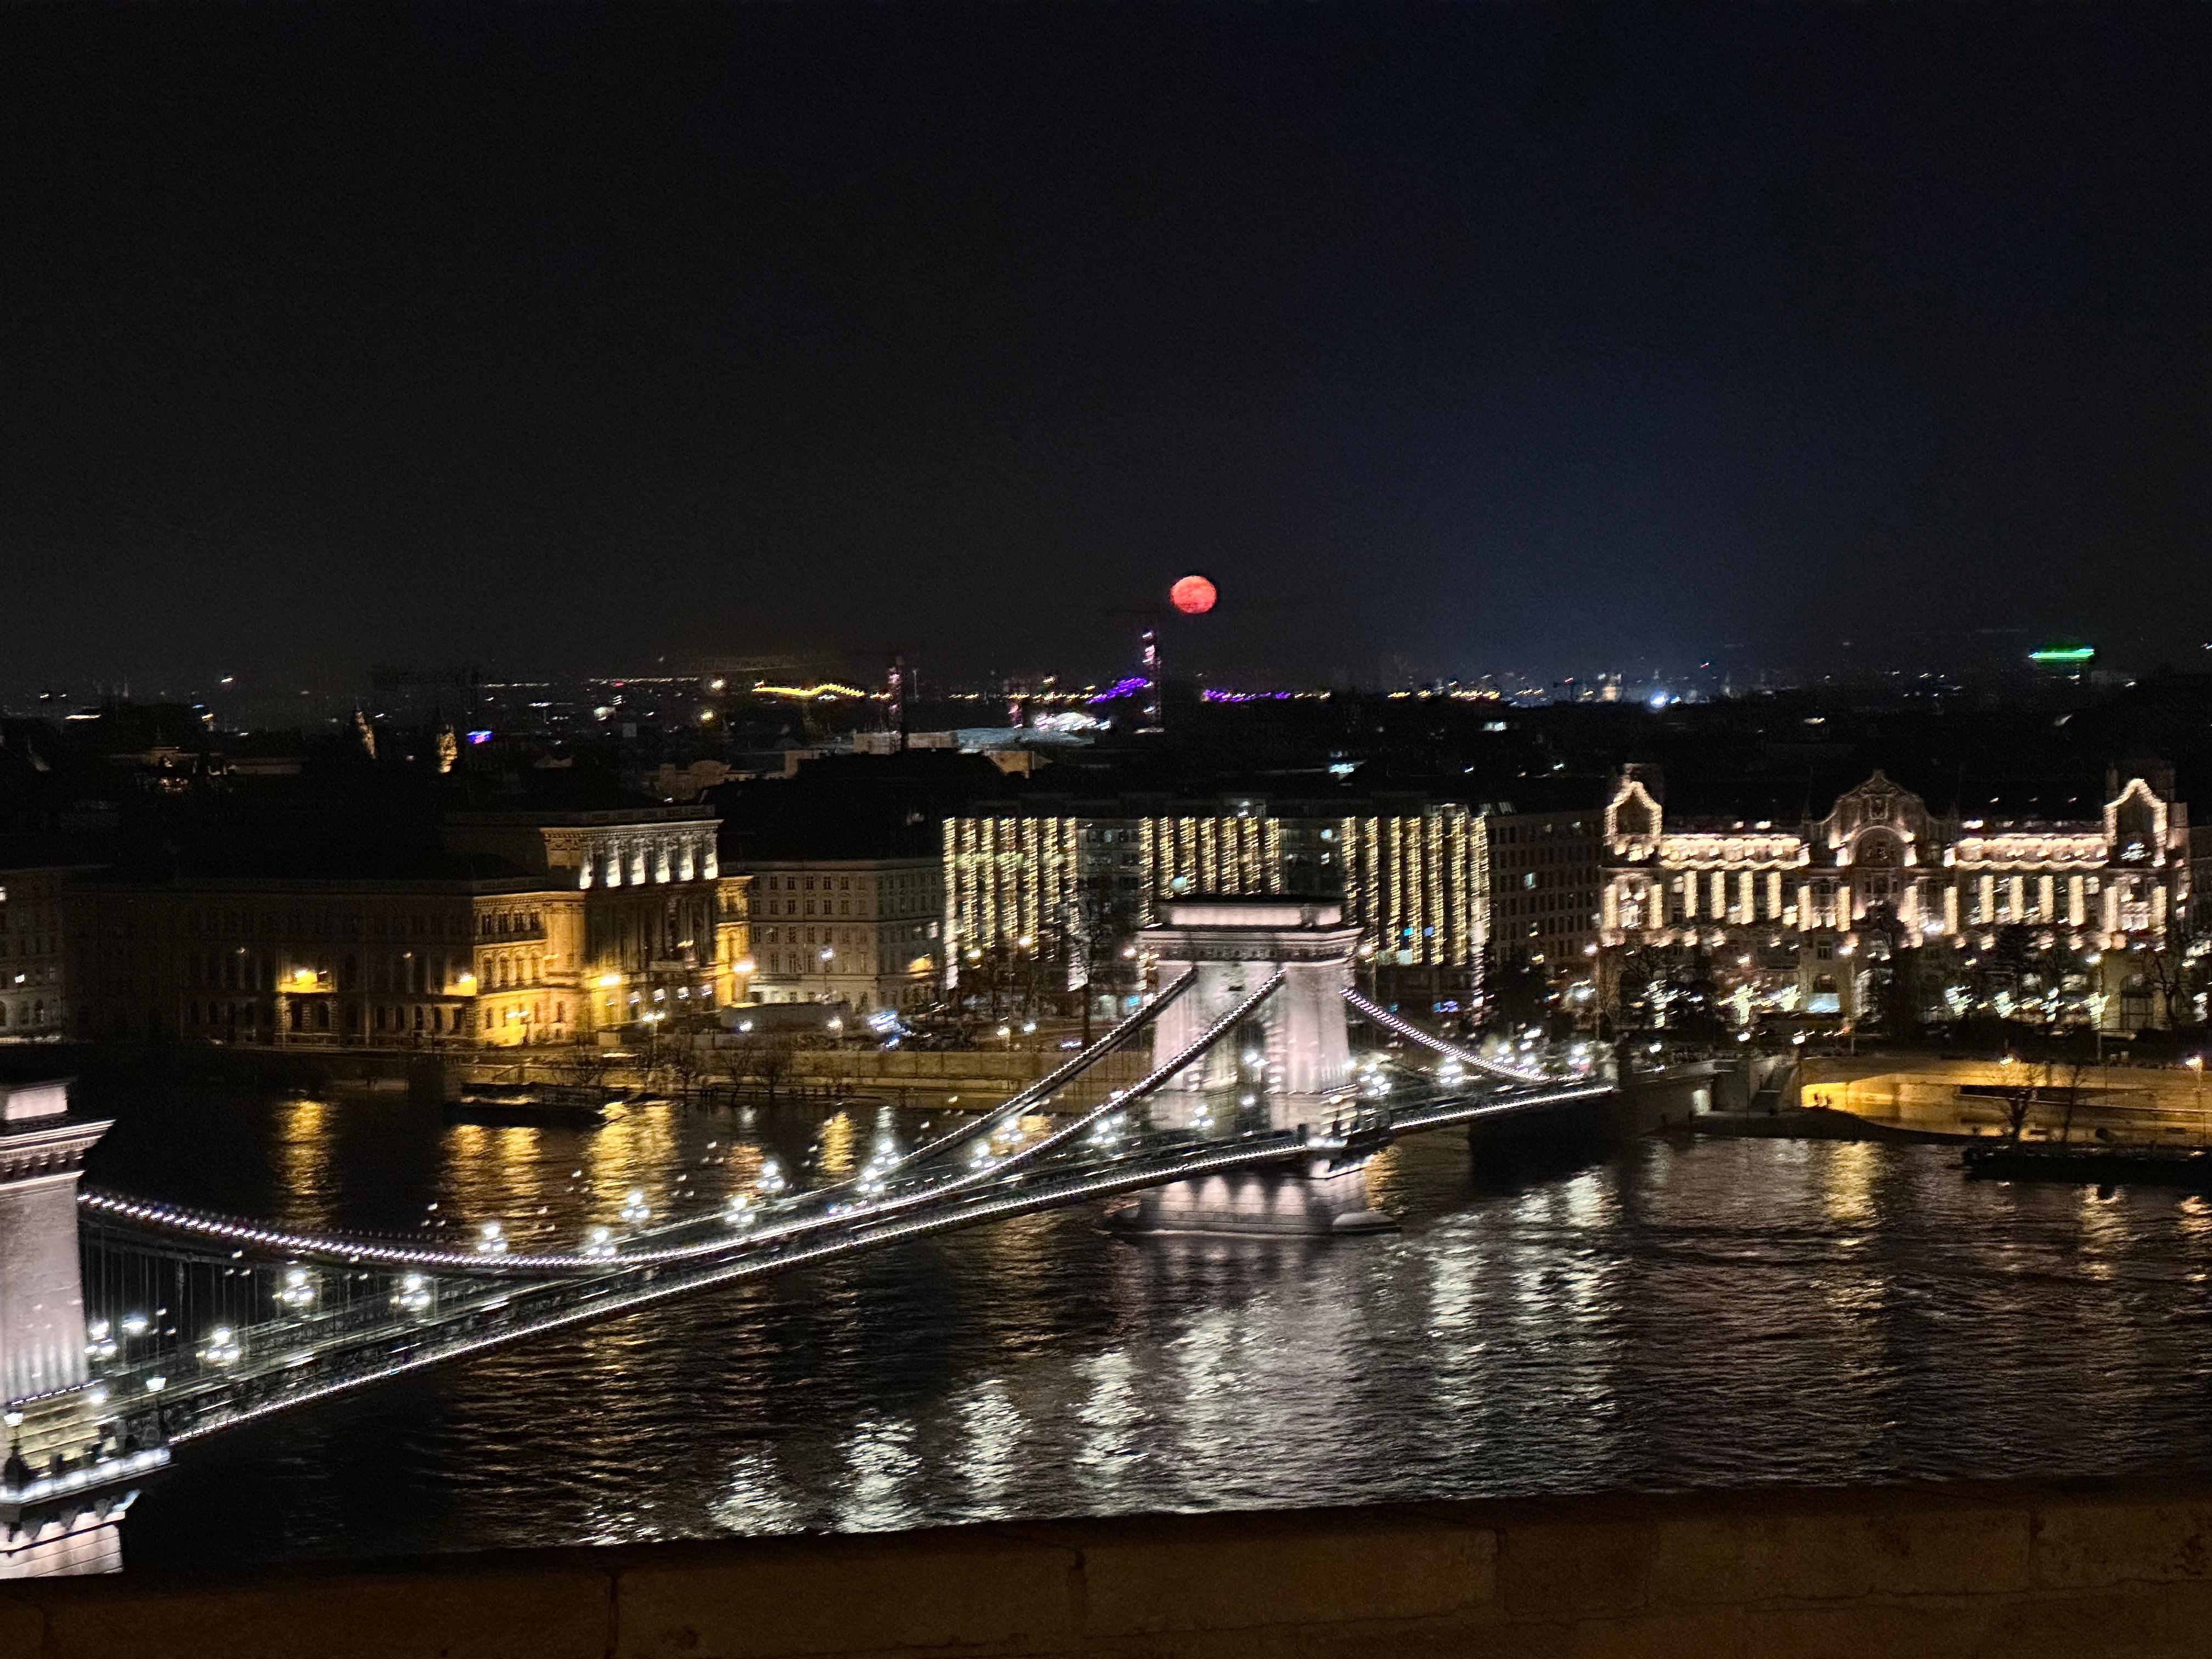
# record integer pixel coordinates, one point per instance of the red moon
(1193, 596)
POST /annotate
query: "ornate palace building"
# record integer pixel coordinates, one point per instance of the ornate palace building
(1995, 905)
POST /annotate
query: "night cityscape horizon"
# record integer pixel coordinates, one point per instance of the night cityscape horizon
(844, 830)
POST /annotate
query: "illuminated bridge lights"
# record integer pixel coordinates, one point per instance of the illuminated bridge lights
(1404, 1028)
(98, 1472)
(606, 1283)
(771, 1179)
(1051, 1083)
(956, 1202)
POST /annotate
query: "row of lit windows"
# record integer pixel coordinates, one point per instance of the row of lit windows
(891, 882)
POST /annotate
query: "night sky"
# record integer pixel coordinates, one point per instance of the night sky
(1445, 340)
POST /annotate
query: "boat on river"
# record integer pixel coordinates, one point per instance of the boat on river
(531, 1105)
(2187, 1168)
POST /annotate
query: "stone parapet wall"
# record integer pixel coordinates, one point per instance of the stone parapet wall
(2020, 1570)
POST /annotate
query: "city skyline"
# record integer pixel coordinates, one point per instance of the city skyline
(988, 826)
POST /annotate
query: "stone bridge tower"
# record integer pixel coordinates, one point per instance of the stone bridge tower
(42, 1148)
(1234, 945)
(1293, 1063)
(42, 1346)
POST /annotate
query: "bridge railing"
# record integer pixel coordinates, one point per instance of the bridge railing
(1377, 1015)
(1041, 1092)
(1188, 1056)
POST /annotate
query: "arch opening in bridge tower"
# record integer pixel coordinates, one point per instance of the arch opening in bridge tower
(1289, 1066)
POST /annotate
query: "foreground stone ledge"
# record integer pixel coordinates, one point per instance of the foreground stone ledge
(1971, 1569)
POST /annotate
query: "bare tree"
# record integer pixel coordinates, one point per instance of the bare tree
(2175, 970)
(2019, 1094)
(2078, 1064)
(686, 1065)
(764, 1058)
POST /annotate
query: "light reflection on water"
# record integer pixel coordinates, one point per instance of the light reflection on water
(1716, 1313)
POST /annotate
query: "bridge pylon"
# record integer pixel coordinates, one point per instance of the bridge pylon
(1290, 1067)
(64, 1486)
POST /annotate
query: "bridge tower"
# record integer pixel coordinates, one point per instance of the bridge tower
(42, 1148)
(55, 1516)
(1292, 1064)
(1298, 1054)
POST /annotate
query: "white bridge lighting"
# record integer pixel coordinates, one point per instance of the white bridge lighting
(992, 1171)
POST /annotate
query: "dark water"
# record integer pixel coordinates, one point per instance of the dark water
(1708, 1313)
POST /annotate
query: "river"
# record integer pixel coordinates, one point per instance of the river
(1708, 1312)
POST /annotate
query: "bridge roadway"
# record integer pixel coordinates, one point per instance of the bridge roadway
(452, 1303)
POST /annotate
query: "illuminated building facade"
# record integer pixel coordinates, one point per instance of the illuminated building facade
(1884, 906)
(1412, 876)
(733, 939)
(638, 928)
(864, 933)
(527, 928)
(418, 963)
(34, 981)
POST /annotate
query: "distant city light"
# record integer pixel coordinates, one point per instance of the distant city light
(1123, 688)
(479, 737)
(2063, 654)
(809, 693)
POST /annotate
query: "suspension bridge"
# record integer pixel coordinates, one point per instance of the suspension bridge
(130, 1327)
